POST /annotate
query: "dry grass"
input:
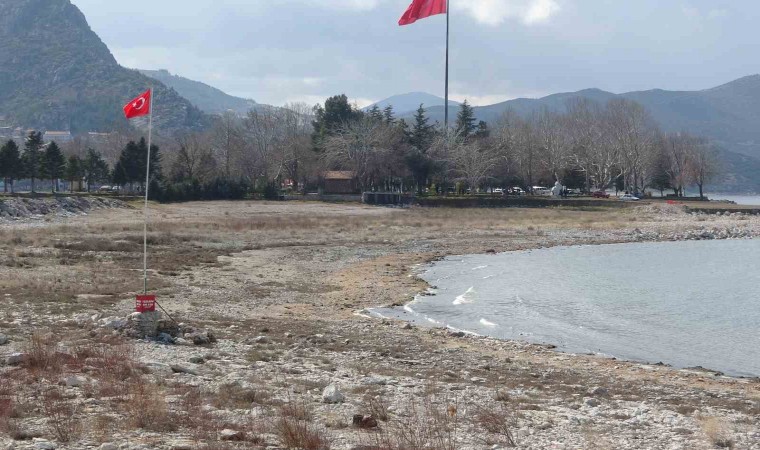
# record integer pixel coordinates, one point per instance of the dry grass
(146, 408)
(428, 424)
(294, 433)
(237, 396)
(62, 415)
(717, 432)
(499, 422)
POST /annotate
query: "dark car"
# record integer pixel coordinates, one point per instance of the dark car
(600, 194)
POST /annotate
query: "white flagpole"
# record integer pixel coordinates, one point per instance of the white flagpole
(446, 100)
(147, 186)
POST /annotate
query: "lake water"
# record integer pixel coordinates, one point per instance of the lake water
(753, 200)
(688, 304)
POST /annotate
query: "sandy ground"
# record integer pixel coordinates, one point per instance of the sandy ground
(283, 284)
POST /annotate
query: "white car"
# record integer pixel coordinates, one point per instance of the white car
(629, 198)
(498, 190)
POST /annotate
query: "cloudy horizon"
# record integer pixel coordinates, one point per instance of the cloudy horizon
(306, 50)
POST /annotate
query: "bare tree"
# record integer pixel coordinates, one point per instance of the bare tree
(678, 150)
(634, 133)
(364, 146)
(553, 142)
(472, 161)
(592, 150)
(194, 159)
(705, 165)
(298, 158)
(227, 141)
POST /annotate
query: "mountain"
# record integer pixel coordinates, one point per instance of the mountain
(56, 74)
(208, 98)
(406, 104)
(728, 114)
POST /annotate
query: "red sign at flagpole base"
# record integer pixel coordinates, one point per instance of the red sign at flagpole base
(145, 303)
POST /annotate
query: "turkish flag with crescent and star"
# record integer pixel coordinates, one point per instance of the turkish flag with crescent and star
(139, 106)
(419, 9)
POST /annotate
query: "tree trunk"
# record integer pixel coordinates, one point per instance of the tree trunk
(701, 193)
(32, 185)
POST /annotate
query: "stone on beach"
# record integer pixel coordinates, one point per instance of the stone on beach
(332, 395)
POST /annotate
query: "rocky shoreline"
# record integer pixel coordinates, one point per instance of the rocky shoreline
(291, 355)
(36, 208)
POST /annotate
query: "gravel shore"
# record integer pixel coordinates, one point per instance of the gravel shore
(282, 285)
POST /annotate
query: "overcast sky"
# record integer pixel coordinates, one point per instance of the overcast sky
(277, 51)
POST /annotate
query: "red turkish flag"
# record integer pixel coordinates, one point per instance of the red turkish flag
(419, 9)
(139, 106)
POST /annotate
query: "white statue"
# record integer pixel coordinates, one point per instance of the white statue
(557, 189)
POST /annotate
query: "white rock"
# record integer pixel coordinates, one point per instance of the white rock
(332, 395)
(231, 435)
(114, 323)
(15, 359)
(44, 445)
(176, 368)
(109, 446)
(75, 381)
(158, 368)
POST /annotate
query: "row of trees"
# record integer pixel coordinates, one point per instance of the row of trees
(588, 146)
(38, 161)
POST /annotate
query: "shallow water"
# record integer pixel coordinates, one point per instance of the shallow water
(748, 200)
(687, 304)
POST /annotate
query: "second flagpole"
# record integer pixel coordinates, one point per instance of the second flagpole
(147, 188)
(446, 96)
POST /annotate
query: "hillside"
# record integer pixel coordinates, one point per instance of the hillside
(207, 98)
(728, 114)
(406, 104)
(56, 73)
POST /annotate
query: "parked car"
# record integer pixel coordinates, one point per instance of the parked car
(516, 190)
(629, 198)
(600, 194)
(498, 190)
(543, 191)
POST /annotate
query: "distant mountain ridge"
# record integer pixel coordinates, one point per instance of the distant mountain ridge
(208, 98)
(56, 73)
(728, 114)
(406, 104)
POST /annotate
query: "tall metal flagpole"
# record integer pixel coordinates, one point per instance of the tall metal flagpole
(446, 99)
(147, 187)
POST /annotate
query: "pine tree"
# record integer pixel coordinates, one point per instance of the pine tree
(94, 168)
(119, 175)
(388, 114)
(32, 158)
(465, 126)
(53, 164)
(422, 132)
(10, 164)
(482, 131)
(74, 171)
(376, 114)
(133, 160)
